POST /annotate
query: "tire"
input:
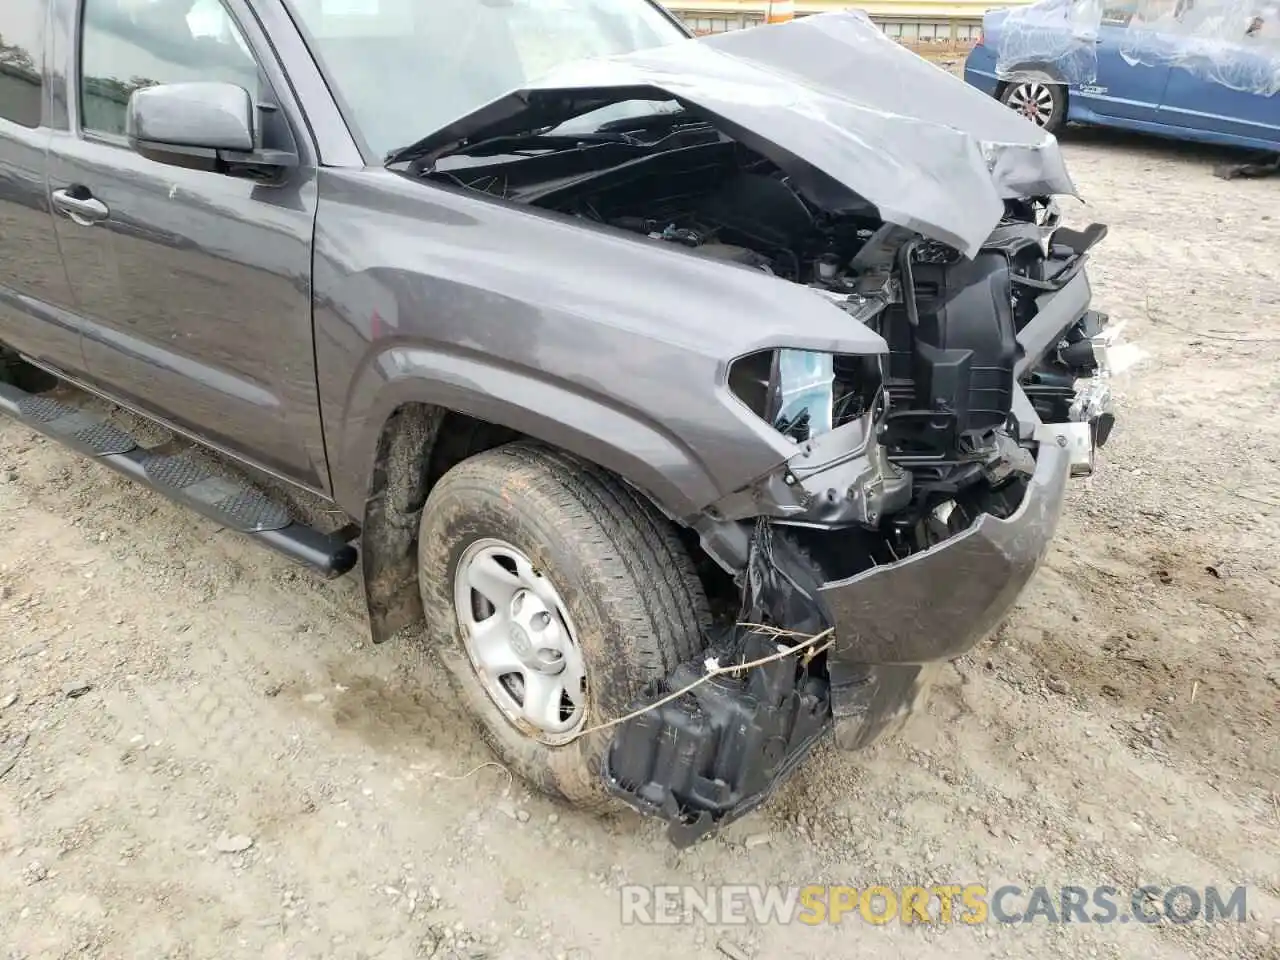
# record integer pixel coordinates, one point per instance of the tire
(626, 584)
(1044, 104)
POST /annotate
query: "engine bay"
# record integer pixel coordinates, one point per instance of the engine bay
(695, 188)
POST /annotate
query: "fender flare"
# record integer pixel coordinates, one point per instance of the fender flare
(390, 435)
(1030, 71)
(625, 442)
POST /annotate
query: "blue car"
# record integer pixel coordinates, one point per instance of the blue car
(1207, 71)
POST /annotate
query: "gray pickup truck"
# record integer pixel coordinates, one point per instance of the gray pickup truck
(626, 357)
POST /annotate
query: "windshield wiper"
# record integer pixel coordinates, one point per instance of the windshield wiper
(649, 121)
(538, 139)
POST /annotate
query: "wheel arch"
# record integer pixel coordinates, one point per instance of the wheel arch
(1020, 73)
(1051, 79)
(419, 441)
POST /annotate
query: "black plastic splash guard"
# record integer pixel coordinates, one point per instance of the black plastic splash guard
(718, 752)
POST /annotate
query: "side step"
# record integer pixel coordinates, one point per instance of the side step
(182, 478)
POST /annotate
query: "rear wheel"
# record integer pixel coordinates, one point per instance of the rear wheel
(555, 594)
(1044, 104)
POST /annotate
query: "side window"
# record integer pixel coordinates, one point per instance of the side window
(129, 44)
(1116, 14)
(21, 53)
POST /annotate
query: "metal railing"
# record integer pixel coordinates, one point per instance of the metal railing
(912, 21)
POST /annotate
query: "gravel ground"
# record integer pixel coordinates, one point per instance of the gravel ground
(212, 762)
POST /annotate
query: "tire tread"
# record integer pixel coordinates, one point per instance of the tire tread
(642, 583)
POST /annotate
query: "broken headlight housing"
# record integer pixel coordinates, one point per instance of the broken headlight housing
(805, 393)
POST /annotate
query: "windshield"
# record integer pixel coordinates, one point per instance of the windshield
(406, 68)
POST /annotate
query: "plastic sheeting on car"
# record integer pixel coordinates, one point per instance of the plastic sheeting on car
(1050, 39)
(1235, 43)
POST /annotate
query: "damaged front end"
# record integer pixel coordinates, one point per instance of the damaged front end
(923, 494)
(919, 481)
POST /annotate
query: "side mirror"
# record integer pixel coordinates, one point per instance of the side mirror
(202, 124)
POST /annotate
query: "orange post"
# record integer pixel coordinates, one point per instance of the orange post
(780, 11)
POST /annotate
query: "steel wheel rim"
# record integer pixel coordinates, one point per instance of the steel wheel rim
(521, 641)
(1034, 101)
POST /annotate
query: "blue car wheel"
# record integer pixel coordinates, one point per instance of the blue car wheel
(1044, 104)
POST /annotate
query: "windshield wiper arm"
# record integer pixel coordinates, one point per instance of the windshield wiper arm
(518, 141)
(649, 120)
(525, 141)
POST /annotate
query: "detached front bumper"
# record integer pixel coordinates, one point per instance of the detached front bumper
(894, 622)
(936, 604)
(719, 751)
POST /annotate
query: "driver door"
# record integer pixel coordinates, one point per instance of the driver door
(1230, 88)
(193, 285)
(1122, 89)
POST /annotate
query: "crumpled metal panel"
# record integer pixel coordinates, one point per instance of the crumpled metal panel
(1234, 43)
(936, 604)
(852, 116)
(1054, 37)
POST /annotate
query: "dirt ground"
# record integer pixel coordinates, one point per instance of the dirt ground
(1120, 729)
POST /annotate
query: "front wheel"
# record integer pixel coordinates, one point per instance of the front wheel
(1044, 104)
(555, 594)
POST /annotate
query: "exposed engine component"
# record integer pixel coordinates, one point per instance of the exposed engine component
(761, 212)
(939, 404)
(735, 254)
(949, 376)
(936, 413)
(952, 351)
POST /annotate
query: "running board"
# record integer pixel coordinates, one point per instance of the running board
(183, 479)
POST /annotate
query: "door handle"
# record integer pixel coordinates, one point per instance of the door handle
(81, 206)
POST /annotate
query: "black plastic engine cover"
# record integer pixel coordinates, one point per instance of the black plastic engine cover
(756, 210)
(959, 362)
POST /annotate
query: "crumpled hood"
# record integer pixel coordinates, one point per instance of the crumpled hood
(848, 113)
